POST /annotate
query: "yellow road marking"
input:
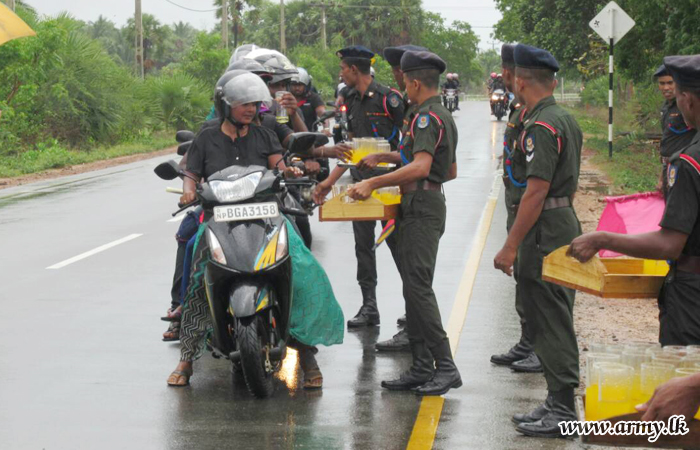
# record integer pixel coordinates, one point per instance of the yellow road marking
(428, 419)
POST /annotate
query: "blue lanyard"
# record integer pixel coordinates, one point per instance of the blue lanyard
(508, 166)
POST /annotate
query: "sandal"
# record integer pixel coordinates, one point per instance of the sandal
(173, 333)
(180, 378)
(313, 379)
(173, 315)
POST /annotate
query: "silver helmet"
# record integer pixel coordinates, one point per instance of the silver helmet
(278, 65)
(304, 77)
(246, 88)
(241, 51)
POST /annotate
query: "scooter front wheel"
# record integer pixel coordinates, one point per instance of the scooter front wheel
(249, 339)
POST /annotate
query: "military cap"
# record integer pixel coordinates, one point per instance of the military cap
(393, 54)
(685, 70)
(411, 61)
(661, 71)
(507, 54)
(355, 51)
(529, 57)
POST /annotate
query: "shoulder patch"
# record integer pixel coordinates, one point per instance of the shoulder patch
(394, 101)
(672, 173)
(423, 121)
(529, 147)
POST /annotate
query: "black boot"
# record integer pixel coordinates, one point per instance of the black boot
(535, 415)
(368, 313)
(531, 364)
(516, 353)
(398, 343)
(421, 370)
(446, 374)
(562, 410)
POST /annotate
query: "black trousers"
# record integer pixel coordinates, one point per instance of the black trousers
(421, 225)
(679, 309)
(366, 258)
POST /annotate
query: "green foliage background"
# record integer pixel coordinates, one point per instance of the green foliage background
(72, 89)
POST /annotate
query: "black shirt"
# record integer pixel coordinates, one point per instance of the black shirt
(676, 134)
(379, 113)
(683, 203)
(308, 109)
(212, 150)
(266, 119)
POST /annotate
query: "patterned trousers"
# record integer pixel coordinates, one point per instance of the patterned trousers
(196, 317)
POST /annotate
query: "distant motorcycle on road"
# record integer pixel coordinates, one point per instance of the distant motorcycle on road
(449, 99)
(499, 103)
(249, 277)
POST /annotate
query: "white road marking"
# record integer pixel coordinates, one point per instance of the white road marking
(94, 251)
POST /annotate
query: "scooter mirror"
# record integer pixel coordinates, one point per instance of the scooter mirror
(302, 144)
(167, 170)
(184, 136)
(182, 148)
(327, 115)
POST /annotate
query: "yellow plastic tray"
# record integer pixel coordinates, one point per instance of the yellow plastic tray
(606, 277)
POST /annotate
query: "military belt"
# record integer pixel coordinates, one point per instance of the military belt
(688, 263)
(421, 185)
(550, 203)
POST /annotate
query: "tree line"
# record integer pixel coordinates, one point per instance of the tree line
(74, 84)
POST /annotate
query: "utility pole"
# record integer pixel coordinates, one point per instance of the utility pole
(323, 25)
(236, 13)
(139, 39)
(224, 23)
(11, 4)
(283, 35)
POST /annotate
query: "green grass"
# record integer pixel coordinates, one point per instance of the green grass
(635, 165)
(55, 156)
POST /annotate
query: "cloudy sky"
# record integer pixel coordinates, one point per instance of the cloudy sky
(481, 14)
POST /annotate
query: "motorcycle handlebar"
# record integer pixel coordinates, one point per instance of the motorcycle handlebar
(184, 207)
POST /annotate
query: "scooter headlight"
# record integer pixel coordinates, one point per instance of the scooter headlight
(236, 191)
(217, 253)
(494, 97)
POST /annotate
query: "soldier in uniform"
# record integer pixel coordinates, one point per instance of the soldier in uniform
(545, 220)
(678, 239)
(676, 134)
(521, 357)
(373, 111)
(428, 159)
(399, 342)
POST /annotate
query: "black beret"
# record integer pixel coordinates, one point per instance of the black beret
(393, 54)
(529, 57)
(507, 54)
(661, 72)
(355, 51)
(411, 61)
(685, 70)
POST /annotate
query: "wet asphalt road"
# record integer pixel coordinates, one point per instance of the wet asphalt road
(82, 365)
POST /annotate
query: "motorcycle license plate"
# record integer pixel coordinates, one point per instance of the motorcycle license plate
(249, 211)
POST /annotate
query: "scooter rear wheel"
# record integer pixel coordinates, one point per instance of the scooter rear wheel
(249, 338)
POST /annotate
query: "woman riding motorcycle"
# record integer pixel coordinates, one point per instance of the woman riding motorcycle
(237, 141)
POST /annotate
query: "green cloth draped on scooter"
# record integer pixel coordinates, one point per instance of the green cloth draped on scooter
(316, 317)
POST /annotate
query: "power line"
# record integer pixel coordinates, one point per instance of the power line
(193, 10)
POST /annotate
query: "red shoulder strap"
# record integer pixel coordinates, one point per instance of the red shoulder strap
(386, 108)
(690, 160)
(553, 131)
(440, 123)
